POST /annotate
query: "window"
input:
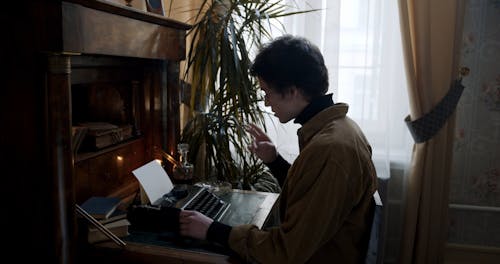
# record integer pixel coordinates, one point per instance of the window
(361, 43)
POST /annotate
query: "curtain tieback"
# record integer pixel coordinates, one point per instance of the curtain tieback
(428, 125)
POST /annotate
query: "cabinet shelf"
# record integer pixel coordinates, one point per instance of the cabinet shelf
(88, 155)
(77, 61)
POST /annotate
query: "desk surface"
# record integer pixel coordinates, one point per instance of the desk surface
(247, 207)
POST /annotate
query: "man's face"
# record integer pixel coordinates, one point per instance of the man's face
(285, 106)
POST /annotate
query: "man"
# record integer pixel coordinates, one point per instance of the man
(326, 199)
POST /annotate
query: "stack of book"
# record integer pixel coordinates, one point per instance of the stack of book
(106, 211)
(101, 134)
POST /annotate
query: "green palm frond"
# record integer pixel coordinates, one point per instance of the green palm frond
(218, 61)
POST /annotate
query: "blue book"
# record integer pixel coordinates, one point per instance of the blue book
(101, 207)
(115, 216)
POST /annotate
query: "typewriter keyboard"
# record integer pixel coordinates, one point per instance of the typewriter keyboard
(208, 204)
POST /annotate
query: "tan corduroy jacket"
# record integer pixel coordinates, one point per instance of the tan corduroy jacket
(325, 200)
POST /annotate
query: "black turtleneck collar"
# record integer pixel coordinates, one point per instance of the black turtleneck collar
(314, 107)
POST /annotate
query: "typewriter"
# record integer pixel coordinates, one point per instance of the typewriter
(163, 214)
(205, 202)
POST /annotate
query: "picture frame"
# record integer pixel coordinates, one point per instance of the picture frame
(155, 6)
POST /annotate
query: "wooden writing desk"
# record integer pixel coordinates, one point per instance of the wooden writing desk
(247, 207)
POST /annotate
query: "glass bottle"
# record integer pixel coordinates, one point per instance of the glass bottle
(184, 172)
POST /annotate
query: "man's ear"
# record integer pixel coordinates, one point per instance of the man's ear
(293, 90)
(296, 93)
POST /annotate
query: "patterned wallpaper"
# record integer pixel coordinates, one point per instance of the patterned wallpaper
(475, 177)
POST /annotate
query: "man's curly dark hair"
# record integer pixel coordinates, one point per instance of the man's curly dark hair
(290, 60)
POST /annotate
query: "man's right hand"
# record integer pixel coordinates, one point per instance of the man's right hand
(262, 146)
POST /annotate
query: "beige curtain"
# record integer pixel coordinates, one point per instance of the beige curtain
(430, 35)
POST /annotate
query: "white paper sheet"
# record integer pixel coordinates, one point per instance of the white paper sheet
(154, 180)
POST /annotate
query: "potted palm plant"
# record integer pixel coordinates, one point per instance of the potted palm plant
(223, 95)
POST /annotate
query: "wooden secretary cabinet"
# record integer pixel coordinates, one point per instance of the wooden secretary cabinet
(71, 62)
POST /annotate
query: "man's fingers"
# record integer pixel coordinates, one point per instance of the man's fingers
(256, 132)
(185, 220)
(252, 147)
(186, 213)
(186, 216)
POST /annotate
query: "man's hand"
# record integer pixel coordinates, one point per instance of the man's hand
(194, 224)
(262, 146)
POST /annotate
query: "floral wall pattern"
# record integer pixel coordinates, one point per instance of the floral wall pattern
(475, 180)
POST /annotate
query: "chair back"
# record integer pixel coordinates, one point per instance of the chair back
(375, 243)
